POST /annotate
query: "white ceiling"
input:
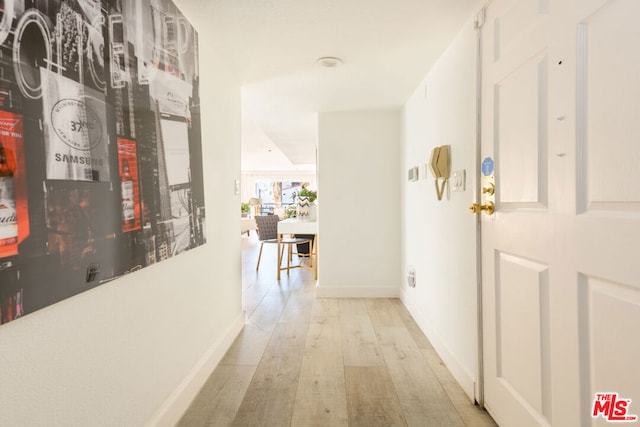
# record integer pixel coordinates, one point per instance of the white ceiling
(387, 47)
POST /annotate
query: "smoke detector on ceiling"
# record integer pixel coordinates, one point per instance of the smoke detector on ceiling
(329, 61)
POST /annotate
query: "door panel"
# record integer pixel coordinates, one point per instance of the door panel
(610, 315)
(609, 83)
(521, 123)
(522, 312)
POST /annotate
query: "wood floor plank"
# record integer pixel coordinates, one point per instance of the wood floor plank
(309, 286)
(411, 325)
(249, 304)
(268, 312)
(248, 347)
(423, 399)
(286, 285)
(353, 306)
(371, 397)
(271, 394)
(472, 415)
(321, 396)
(359, 342)
(383, 312)
(252, 298)
(325, 308)
(220, 397)
(298, 308)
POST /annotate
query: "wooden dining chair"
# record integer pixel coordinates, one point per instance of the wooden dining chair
(268, 233)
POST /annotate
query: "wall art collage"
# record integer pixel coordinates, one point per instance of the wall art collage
(100, 145)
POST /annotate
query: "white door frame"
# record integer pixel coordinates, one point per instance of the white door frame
(479, 389)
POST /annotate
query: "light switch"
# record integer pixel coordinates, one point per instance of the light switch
(458, 180)
(423, 171)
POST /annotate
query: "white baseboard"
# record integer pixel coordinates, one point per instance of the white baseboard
(357, 292)
(179, 400)
(459, 372)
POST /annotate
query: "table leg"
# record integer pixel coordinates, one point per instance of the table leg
(279, 256)
(288, 258)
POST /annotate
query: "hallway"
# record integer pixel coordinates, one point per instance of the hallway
(302, 361)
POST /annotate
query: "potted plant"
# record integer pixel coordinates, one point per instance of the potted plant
(244, 209)
(305, 203)
(309, 194)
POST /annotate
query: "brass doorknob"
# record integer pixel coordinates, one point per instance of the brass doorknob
(488, 208)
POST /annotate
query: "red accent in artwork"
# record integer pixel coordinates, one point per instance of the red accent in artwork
(11, 137)
(128, 168)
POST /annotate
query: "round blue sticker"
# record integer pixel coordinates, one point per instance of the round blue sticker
(487, 166)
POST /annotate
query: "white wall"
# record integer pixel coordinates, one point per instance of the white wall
(439, 236)
(359, 203)
(136, 350)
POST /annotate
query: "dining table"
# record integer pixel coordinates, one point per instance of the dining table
(300, 226)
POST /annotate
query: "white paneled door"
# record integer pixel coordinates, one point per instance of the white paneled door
(561, 253)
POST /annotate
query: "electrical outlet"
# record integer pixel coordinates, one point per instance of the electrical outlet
(411, 276)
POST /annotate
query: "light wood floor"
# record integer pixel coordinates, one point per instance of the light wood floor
(302, 361)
